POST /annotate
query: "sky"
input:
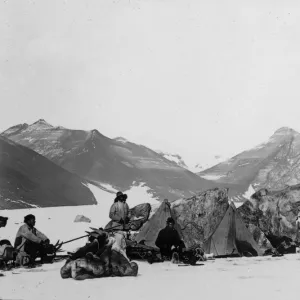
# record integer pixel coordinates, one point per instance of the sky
(198, 78)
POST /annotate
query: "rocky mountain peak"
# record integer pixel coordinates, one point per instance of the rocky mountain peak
(285, 131)
(121, 139)
(173, 157)
(15, 129)
(42, 122)
(95, 133)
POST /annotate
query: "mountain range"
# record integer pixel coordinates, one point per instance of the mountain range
(96, 159)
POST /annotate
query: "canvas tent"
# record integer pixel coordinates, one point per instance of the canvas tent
(231, 237)
(150, 229)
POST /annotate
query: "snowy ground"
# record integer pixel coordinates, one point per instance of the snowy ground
(239, 278)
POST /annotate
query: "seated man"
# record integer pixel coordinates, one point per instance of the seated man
(31, 243)
(169, 241)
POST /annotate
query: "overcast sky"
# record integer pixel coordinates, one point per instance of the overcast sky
(195, 77)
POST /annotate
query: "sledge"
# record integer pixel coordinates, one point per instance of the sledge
(29, 270)
(141, 251)
(126, 227)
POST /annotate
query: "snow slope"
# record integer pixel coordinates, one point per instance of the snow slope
(207, 163)
(173, 157)
(138, 192)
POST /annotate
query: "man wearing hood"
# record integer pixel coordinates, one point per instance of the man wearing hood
(119, 212)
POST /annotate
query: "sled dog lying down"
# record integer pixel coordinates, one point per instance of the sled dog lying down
(109, 263)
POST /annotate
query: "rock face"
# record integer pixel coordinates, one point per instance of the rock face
(273, 212)
(200, 215)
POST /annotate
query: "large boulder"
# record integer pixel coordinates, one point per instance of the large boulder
(81, 218)
(200, 215)
(274, 213)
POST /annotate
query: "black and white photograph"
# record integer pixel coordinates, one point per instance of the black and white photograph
(149, 149)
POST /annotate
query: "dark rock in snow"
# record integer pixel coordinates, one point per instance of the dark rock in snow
(81, 218)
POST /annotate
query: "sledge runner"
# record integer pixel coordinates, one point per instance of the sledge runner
(31, 243)
(169, 241)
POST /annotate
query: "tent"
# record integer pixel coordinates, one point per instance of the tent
(150, 229)
(231, 237)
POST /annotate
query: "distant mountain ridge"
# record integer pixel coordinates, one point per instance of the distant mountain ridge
(120, 163)
(273, 164)
(99, 159)
(206, 164)
(174, 157)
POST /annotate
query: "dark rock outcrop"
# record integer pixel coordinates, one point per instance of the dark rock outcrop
(200, 215)
(274, 213)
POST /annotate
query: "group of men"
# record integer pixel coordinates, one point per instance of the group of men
(168, 239)
(30, 243)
